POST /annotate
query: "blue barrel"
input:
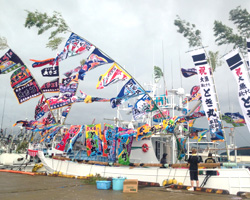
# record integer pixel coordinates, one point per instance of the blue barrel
(117, 183)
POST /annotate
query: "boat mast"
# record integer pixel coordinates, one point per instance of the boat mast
(3, 109)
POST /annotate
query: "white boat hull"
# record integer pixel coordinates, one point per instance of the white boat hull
(233, 180)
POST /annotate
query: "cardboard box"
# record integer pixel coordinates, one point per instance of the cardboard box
(130, 186)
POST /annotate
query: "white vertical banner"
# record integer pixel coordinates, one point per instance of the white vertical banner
(240, 73)
(248, 53)
(209, 99)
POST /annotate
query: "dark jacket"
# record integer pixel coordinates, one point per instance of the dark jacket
(164, 159)
(193, 160)
(210, 160)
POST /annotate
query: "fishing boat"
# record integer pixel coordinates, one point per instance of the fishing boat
(133, 150)
(145, 165)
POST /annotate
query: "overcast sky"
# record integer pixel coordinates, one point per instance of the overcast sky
(134, 33)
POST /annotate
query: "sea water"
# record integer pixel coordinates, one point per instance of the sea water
(27, 187)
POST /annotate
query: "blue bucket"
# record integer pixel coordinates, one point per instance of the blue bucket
(103, 185)
(117, 183)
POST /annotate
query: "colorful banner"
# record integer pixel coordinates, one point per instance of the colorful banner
(109, 142)
(55, 102)
(209, 102)
(75, 131)
(41, 108)
(92, 140)
(194, 115)
(52, 86)
(66, 112)
(75, 45)
(194, 132)
(145, 131)
(28, 91)
(50, 71)
(188, 72)
(95, 59)
(9, 62)
(52, 134)
(71, 88)
(143, 105)
(236, 119)
(20, 77)
(49, 119)
(113, 75)
(72, 71)
(195, 89)
(161, 100)
(181, 147)
(40, 63)
(70, 80)
(241, 76)
(124, 147)
(129, 90)
(64, 142)
(196, 97)
(158, 116)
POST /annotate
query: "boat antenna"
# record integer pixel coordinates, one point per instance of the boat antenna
(172, 75)
(164, 87)
(180, 68)
(3, 109)
(228, 97)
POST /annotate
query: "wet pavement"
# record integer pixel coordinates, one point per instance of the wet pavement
(27, 187)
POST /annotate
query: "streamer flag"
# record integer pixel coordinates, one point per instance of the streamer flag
(40, 63)
(188, 72)
(158, 116)
(9, 62)
(68, 88)
(93, 144)
(75, 131)
(195, 89)
(89, 99)
(95, 59)
(236, 119)
(75, 45)
(129, 90)
(143, 105)
(52, 134)
(41, 108)
(124, 147)
(240, 74)
(66, 112)
(208, 95)
(113, 75)
(52, 86)
(57, 102)
(145, 131)
(73, 71)
(109, 142)
(50, 71)
(194, 132)
(63, 145)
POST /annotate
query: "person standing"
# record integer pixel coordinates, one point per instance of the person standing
(164, 159)
(193, 160)
(210, 160)
(209, 173)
